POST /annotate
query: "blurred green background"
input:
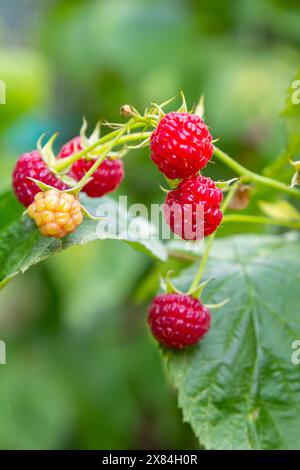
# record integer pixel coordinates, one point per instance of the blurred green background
(82, 371)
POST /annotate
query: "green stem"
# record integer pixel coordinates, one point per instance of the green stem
(209, 244)
(139, 136)
(246, 176)
(250, 176)
(253, 219)
(104, 151)
(202, 265)
(64, 163)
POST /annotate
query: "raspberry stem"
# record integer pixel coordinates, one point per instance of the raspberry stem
(250, 176)
(253, 219)
(209, 244)
(105, 151)
(65, 163)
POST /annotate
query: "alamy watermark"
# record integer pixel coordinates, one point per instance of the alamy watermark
(2, 92)
(121, 221)
(296, 94)
(295, 359)
(2, 353)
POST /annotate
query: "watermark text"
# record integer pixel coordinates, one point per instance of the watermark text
(2, 353)
(2, 92)
(296, 94)
(296, 354)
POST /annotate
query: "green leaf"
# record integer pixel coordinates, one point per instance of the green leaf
(22, 246)
(10, 209)
(238, 387)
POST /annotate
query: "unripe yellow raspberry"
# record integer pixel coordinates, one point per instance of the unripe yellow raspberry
(56, 213)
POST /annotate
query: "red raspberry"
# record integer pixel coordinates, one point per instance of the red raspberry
(32, 165)
(178, 320)
(183, 211)
(181, 145)
(73, 146)
(106, 178)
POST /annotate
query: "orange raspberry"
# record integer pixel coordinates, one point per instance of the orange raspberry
(56, 213)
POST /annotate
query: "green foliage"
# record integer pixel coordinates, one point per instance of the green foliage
(22, 246)
(238, 387)
(77, 346)
(27, 79)
(68, 387)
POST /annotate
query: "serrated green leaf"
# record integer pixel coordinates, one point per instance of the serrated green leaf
(22, 246)
(238, 387)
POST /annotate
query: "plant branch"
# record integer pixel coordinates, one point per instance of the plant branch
(64, 163)
(250, 176)
(253, 219)
(209, 244)
(104, 152)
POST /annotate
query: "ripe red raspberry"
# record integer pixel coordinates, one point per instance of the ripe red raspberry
(32, 165)
(178, 320)
(73, 146)
(181, 145)
(192, 209)
(106, 178)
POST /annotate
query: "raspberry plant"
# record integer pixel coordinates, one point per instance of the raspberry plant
(226, 323)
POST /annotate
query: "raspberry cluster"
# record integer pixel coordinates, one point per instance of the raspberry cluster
(181, 146)
(31, 165)
(55, 212)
